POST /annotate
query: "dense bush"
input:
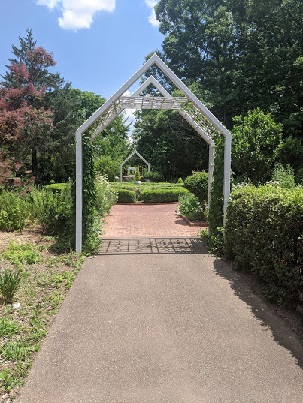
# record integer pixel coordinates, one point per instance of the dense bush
(52, 210)
(198, 185)
(263, 234)
(160, 195)
(191, 208)
(13, 211)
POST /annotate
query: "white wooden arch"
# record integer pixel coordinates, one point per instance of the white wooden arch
(128, 158)
(189, 106)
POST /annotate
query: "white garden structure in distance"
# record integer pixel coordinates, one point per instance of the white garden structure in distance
(189, 106)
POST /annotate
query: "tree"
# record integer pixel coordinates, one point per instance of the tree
(240, 54)
(257, 141)
(25, 120)
(167, 141)
(111, 147)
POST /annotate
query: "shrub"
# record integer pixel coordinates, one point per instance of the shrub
(191, 208)
(263, 234)
(106, 195)
(158, 195)
(126, 195)
(13, 211)
(198, 185)
(53, 211)
(284, 176)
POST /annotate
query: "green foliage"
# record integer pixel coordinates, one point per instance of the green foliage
(52, 210)
(106, 195)
(263, 234)
(158, 195)
(15, 350)
(8, 327)
(191, 207)
(56, 187)
(169, 143)
(198, 185)
(215, 242)
(9, 284)
(215, 214)
(13, 211)
(91, 222)
(22, 254)
(257, 141)
(238, 55)
(284, 176)
(153, 176)
(126, 196)
(137, 174)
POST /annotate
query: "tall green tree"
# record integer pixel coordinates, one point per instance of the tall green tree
(257, 142)
(240, 54)
(167, 141)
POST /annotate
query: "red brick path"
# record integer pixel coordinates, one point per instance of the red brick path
(143, 220)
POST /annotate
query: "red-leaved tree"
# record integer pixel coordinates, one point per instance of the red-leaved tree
(25, 120)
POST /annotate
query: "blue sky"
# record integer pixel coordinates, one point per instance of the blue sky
(97, 44)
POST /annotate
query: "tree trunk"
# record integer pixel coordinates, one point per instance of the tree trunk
(34, 163)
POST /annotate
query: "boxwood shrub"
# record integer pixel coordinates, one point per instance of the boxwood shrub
(126, 195)
(198, 185)
(158, 195)
(263, 234)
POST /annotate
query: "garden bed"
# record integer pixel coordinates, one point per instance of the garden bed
(44, 282)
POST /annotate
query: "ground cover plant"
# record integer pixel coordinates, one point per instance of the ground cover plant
(191, 208)
(33, 283)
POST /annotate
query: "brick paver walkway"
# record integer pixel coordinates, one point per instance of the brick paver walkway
(143, 220)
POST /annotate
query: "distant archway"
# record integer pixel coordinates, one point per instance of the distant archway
(128, 158)
(189, 106)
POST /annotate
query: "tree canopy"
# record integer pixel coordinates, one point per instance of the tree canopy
(241, 54)
(40, 112)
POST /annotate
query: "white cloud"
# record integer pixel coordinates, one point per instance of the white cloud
(78, 14)
(152, 18)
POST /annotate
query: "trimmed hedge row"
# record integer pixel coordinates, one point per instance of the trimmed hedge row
(149, 193)
(263, 234)
(158, 195)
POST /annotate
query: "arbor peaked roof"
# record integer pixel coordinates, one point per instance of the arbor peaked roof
(118, 102)
(135, 153)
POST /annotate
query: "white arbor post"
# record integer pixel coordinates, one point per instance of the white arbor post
(79, 187)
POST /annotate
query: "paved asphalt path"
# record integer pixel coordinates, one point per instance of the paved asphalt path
(165, 328)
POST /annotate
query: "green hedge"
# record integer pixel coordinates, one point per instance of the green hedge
(163, 192)
(158, 195)
(126, 196)
(263, 234)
